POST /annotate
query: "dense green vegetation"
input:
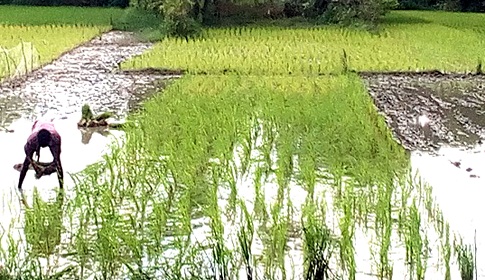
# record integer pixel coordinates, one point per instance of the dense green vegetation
(409, 41)
(33, 36)
(450, 5)
(82, 3)
(78, 16)
(241, 164)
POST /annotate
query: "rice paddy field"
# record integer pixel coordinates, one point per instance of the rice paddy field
(407, 41)
(256, 164)
(33, 36)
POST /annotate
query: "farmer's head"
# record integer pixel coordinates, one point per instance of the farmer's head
(44, 138)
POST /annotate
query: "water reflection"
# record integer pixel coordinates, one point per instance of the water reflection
(87, 133)
(457, 177)
(43, 223)
(12, 108)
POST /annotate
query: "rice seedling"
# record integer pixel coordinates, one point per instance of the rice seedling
(320, 242)
(318, 49)
(44, 43)
(466, 261)
(183, 200)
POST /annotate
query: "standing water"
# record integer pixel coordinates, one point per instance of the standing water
(85, 75)
(446, 149)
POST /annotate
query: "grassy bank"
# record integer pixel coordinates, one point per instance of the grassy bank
(41, 16)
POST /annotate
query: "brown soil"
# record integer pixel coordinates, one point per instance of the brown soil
(453, 103)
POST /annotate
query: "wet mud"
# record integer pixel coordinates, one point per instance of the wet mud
(87, 74)
(426, 111)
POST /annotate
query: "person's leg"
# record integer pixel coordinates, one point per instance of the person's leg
(56, 153)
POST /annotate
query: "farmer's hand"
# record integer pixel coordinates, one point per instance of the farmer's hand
(39, 171)
(36, 167)
(38, 175)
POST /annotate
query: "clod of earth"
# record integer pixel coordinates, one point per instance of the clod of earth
(456, 163)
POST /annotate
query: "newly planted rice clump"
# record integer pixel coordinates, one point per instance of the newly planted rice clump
(406, 42)
(252, 178)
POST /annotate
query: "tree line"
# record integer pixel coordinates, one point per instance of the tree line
(185, 17)
(78, 3)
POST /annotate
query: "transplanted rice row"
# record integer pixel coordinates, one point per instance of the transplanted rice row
(261, 175)
(407, 41)
(257, 178)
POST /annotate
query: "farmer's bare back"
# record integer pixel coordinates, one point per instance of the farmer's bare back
(43, 135)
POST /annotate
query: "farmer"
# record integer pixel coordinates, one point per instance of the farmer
(43, 135)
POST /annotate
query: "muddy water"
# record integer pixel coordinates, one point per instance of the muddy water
(87, 74)
(446, 147)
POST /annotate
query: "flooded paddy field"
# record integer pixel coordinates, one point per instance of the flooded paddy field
(238, 176)
(294, 171)
(258, 195)
(86, 75)
(440, 119)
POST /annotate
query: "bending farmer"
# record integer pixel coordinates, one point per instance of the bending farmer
(43, 135)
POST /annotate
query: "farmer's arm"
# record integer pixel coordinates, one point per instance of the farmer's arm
(55, 148)
(29, 149)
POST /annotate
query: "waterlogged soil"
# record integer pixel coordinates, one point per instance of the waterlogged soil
(87, 74)
(452, 104)
(446, 145)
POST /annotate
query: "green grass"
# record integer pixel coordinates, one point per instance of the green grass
(48, 31)
(408, 41)
(40, 16)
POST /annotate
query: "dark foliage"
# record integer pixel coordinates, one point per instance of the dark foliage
(78, 3)
(453, 5)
